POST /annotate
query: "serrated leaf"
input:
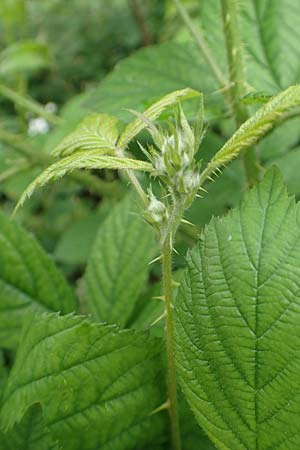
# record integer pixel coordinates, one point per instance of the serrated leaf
(119, 264)
(30, 434)
(153, 112)
(237, 323)
(82, 160)
(29, 281)
(95, 132)
(255, 128)
(24, 57)
(87, 377)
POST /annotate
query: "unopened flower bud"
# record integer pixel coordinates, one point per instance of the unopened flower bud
(156, 211)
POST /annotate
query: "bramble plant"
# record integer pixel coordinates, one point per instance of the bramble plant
(124, 369)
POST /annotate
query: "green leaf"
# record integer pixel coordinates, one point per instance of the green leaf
(13, 12)
(119, 263)
(30, 434)
(95, 132)
(255, 128)
(153, 112)
(97, 386)
(193, 437)
(83, 232)
(29, 281)
(151, 73)
(24, 57)
(289, 166)
(237, 323)
(269, 31)
(82, 160)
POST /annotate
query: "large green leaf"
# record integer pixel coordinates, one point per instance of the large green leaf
(118, 266)
(269, 30)
(237, 323)
(148, 75)
(97, 386)
(29, 281)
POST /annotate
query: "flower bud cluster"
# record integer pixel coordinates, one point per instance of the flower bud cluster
(174, 161)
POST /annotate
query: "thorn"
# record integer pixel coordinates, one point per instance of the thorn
(203, 189)
(224, 88)
(187, 222)
(175, 251)
(160, 408)
(158, 258)
(159, 297)
(162, 316)
(199, 196)
(175, 283)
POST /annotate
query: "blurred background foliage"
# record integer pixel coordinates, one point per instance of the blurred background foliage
(61, 60)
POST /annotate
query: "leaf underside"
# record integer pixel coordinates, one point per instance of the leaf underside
(237, 324)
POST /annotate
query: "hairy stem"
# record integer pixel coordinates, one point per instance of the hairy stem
(236, 73)
(201, 43)
(171, 374)
(167, 235)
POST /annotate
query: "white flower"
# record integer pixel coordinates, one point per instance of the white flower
(37, 126)
(51, 107)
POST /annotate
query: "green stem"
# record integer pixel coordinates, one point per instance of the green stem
(29, 104)
(167, 235)
(230, 15)
(171, 370)
(201, 43)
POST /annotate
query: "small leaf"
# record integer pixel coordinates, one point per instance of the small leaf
(119, 263)
(82, 160)
(153, 112)
(29, 281)
(95, 132)
(96, 386)
(237, 328)
(255, 128)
